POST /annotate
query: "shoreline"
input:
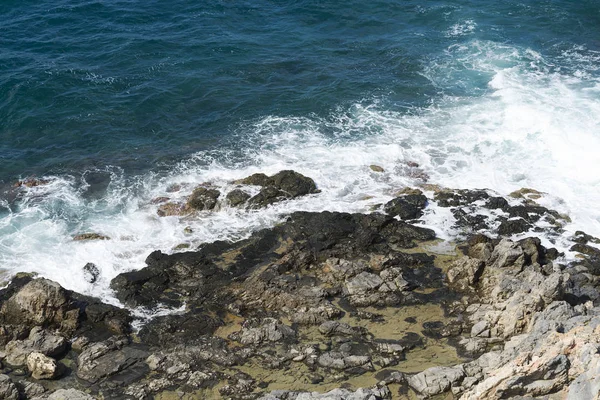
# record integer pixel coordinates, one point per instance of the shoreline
(325, 301)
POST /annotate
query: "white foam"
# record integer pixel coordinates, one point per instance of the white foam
(527, 126)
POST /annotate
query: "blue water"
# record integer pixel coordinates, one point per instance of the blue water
(136, 84)
(113, 101)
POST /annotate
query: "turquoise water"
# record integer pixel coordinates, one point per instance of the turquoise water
(113, 101)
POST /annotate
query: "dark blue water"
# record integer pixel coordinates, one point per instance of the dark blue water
(142, 84)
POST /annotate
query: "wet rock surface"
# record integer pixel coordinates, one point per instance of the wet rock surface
(325, 306)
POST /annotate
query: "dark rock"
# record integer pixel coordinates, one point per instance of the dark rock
(91, 272)
(406, 207)
(513, 226)
(267, 196)
(203, 198)
(237, 197)
(293, 183)
(258, 179)
(105, 359)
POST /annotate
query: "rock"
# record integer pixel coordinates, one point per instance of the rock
(465, 272)
(267, 196)
(8, 390)
(237, 197)
(268, 330)
(170, 209)
(293, 183)
(107, 358)
(513, 226)
(31, 182)
(42, 367)
(32, 389)
(283, 185)
(507, 253)
(203, 198)
(363, 282)
(331, 328)
(90, 236)
(41, 302)
(341, 361)
(91, 272)
(69, 394)
(374, 393)
(436, 380)
(376, 168)
(406, 207)
(256, 180)
(480, 328)
(39, 341)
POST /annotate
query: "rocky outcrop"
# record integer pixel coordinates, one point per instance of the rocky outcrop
(324, 300)
(41, 302)
(281, 186)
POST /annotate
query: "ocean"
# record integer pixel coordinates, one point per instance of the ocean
(113, 102)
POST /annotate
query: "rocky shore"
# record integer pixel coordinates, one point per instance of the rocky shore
(325, 306)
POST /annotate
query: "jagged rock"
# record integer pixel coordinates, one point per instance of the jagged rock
(480, 329)
(237, 197)
(363, 283)
(69, 394)
(39, 341)
(374, 393)
(8, 390)
(203, 198)
(341, 361)
(513, 226)
(465, 272)
(90, 236)
(42, 367)
(283, 185)
(436, 380)
(91, 272)
(406, 207)
(100, 360)
(267, 330)
(331, 328)
(41, 302)
(267, 196)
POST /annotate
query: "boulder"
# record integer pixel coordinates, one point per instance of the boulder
(283, 185)
(41, 302)
(91, 272)
(436, 380)
(237, 197)
(42, 367)
(203, 198)
(39, 341)
(406, 207)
